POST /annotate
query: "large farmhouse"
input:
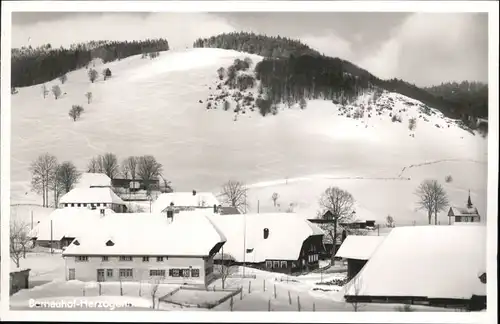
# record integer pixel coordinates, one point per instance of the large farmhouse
(440, 266)
(137, 247)
(279, 242)
(93, 198)
(185, 201)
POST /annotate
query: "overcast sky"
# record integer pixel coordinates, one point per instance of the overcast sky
(422, 48)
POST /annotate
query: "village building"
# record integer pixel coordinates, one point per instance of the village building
(93, 180)
(278, 242)
(65, 224)
(144, 247)
(180, 201)
(93, 198)
(468, 214)
(357, 250)
(442, 266)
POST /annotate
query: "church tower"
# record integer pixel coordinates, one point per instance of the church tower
(469, 202)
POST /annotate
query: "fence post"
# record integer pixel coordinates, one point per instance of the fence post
(274, 291)
(241, 293)
(264, 281)
(298, 303)
(249, 286)
(289, 297)
(231, 303)
(314, 306)
(83, 290)
(269, 305)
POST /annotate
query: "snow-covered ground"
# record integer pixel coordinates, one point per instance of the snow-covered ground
(153, 107)
(257, 291)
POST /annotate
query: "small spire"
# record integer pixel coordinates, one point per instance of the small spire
(469, 202)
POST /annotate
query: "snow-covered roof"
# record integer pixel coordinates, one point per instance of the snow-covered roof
(88, 180)
(287, 233)
(147, 234)
(462, 211)
(425, 261)
(185, 199)
(67, 222)
(91, 195)
(359, 247)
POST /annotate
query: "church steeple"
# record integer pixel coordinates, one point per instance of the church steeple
(469, 202)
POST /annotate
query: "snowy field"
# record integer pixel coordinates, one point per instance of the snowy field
(152, 107)
(257, 293)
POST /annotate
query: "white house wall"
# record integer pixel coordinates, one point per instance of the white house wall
(87, 270)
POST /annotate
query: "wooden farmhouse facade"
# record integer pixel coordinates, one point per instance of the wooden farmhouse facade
(278, 242)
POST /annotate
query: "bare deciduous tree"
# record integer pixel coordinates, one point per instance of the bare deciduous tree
(75, 112)
(20, 240)
(155, 284)
(45, 91)
(67, 176)
(94, 166)
(275, 198)
(129, 167)
(54, 186)
(340, 204)
(234, 193)
(92, 75)
(63, 78)
(42, 171)
(88, 95)
(56, 91)
(390, 221)
(432, 198)
(354, 290)
(221, 72)
(224, 271)
(412, 123)
(109, 165)
(148, 168)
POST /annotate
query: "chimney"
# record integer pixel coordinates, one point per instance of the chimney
(170, 212)
(102, 212)
(194, 192)
(215, 209)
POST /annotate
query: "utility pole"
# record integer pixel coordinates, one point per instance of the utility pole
(258, 206)
(51, 239)
(31, 219)
(245, 236)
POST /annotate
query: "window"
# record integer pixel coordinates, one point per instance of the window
(110, 243)
(157, 273)
(175, 272)
(185, 272)
(145, 259)
(284, 264)
(276, 264)
(125, 258)
(105, 259)
(72, 205)
(98, 204)
(159, 259)
(85, 205)
(104, 205)
(79, 205)
(82, 258)
(209, 270)
(269, 264)
(266, 233)
(195, 272)
(109, 273)
(126, 273)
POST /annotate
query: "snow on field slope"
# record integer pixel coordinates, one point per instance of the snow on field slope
(153, 107)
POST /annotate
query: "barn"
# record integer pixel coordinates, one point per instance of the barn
(441, 266)
(94, 198)
(357, 250)
(278, 242)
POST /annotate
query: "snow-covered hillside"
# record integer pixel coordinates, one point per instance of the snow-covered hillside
(158, 107)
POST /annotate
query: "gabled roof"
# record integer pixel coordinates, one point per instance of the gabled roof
(91, 195)
(359, 247)
(147, 234)
(426, 261)
(462, 211)
(88, 180)
(185, 199)
(287, 233)
(67, 222)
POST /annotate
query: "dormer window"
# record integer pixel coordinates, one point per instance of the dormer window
(75, 242)
(266, 233)
(110, 243)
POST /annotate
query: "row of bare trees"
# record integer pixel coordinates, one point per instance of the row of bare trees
(48, 176)
(144, 167)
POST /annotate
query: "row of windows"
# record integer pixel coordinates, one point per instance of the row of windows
(276, 264)
(129, 273)
(84, 258)
(86, 204)
(313, 258)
